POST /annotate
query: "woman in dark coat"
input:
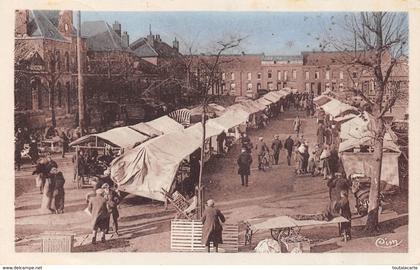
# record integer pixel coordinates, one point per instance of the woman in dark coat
(100, 215)
(212, 228)
(58, 194)
(244, 163)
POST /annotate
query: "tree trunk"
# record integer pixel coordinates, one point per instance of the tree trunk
(52, 97)
(203, 143)
(375, 187)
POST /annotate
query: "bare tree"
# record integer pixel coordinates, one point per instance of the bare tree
(374, 42)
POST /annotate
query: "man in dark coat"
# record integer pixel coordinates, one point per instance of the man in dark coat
(320, 134)
(276, 146)
(261, 148)
(98, 208)
(220, 143)
(65, 143)
(244, 163)
(288, 145)
(343, 208)
(212, 227)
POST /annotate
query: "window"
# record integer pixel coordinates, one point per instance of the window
(66, 27)
(340, 87)
(66, 62)
(354, 75)
(232, 86)
(327, 75)
(270, 86)
(232, 76)
(249, 87)
(269, 75)
(341, 75)
(259, 76)
(307, 75)
(327, 86)
(372, 88)
(307, 87)
(249, 76)
(334, 86)
(316, 75)
(285, 75)
(294, 74)
(258, 86)
(223, 76)
(365, 87)
(279, 75)
(68, 96)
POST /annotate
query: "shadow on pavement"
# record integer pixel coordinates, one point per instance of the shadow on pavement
(109, 244)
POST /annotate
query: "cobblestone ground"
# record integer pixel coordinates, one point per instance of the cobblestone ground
(145, 225)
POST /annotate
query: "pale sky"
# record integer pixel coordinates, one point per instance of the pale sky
(278, 33)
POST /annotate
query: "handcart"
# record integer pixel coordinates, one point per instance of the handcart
(285, 226)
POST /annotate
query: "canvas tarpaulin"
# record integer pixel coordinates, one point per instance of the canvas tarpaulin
(211, 108)
(264, 101)
(230, 119)
(362, 162)
(336, 107)
(256, 107)
(151, 166)
(148, 168)
(146, 129)
(272, 96)
(165, 124)
(321, 100)
(124, 137)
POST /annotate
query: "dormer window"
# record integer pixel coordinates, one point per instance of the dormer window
(66, 27)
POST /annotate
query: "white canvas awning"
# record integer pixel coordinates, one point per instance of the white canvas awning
(151, 166)
(165, 124)
(146, 129)
(273, 96)
(264, 101)
(230, 119)
(362, 163)
(124, 137)
(336, 107)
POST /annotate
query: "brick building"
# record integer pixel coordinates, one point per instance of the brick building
(45, 55)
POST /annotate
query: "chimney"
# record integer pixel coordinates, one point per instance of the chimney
(156, 40)
(117, 28)
(21, 22)
(65, 23)
(175, 45)
(150, 36)
(125, 39)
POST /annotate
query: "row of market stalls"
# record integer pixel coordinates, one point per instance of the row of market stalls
(157, 163)
(357, 140)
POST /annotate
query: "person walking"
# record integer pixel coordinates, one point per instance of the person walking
(33, 150)
(288, 145)
(296, 125)
(212, 227)
(261, 148)
(65, 143)
(113, 199)
(48, 192)
(320, 132)
(244, 163)
(58, 194)
(98, 208)
(220, 143)
(276, 146)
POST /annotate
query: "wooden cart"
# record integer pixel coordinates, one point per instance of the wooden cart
(285, 226)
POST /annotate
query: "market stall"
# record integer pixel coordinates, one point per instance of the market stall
(165, 124)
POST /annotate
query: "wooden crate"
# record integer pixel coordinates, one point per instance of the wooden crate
(57, 242)
(186, 236)
(304, 246)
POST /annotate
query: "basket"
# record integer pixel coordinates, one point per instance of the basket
(301, 246)
(57, 242)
